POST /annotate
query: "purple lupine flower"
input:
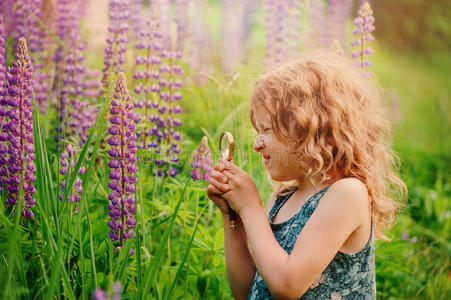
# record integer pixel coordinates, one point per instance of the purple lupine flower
(147, 79)
(363, 28)
(318, 18)
(91, 85)
(19, 132)
(41, 87)
(117, 40)
(87, 117)
(67, 81)
(231, 36)
(6, 7)
(2, 70)
(122, 139)
(117, 288)
(136, 17)
(338, 13)
(68, 162)
(3, 104)
(181, 21)
(38, 45)
(166, 124)
(282, 26)
(70, 113)
(19, 12)
(162, 11)
(294, 29)
(66, 22)
(270, 29)
(199, 47)
(34, 31)
(201, 164)
(405, 236)
(88, 112)
(100, 294)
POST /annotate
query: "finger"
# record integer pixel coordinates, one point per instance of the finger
(219, 202)
(228, 175)
(218, 176)
(219, 167)
(223, 187)
(231, 167)
(213, 191)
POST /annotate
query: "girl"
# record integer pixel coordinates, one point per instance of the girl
(323, 137)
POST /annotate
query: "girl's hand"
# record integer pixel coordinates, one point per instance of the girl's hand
(217, 187)
(242, 194)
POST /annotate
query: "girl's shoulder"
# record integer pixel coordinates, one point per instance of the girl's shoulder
(350, 186)
(347, 193)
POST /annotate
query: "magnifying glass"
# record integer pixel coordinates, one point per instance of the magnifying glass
(226, 150)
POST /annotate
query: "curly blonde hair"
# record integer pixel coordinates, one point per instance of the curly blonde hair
(332, 114)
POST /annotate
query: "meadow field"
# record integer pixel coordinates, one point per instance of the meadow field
(175, 248)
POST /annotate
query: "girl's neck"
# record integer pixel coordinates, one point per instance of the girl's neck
(313, 185)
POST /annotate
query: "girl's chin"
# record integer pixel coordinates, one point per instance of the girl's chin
(276, 176)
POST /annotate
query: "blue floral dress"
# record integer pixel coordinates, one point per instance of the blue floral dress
(348, 276)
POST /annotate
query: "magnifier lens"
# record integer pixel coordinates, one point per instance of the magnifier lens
(225, 147)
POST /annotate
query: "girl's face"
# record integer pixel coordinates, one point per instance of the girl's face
(278, 156)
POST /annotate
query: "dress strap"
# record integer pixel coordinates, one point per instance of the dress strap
(316, 197)
(280, 201)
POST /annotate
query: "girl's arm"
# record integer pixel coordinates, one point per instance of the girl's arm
(239, 263)
(339, 213)
(240, 266)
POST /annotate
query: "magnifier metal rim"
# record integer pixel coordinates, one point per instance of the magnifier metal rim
(229, 137)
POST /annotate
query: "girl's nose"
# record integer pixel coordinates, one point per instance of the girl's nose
(259, 143)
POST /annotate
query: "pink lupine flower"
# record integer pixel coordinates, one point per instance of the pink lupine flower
(363, 28)
(201, 164)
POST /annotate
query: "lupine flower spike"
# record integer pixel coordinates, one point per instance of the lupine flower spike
(3, 105)
(18, 159)
(363, 28)
(117, 39)
(201, 165)
(68, 162)
(122, 164)
(2, 71)
(100, 294)
(165, 130)
(147, 76)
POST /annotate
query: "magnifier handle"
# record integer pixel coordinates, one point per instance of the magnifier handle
(232, 218)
